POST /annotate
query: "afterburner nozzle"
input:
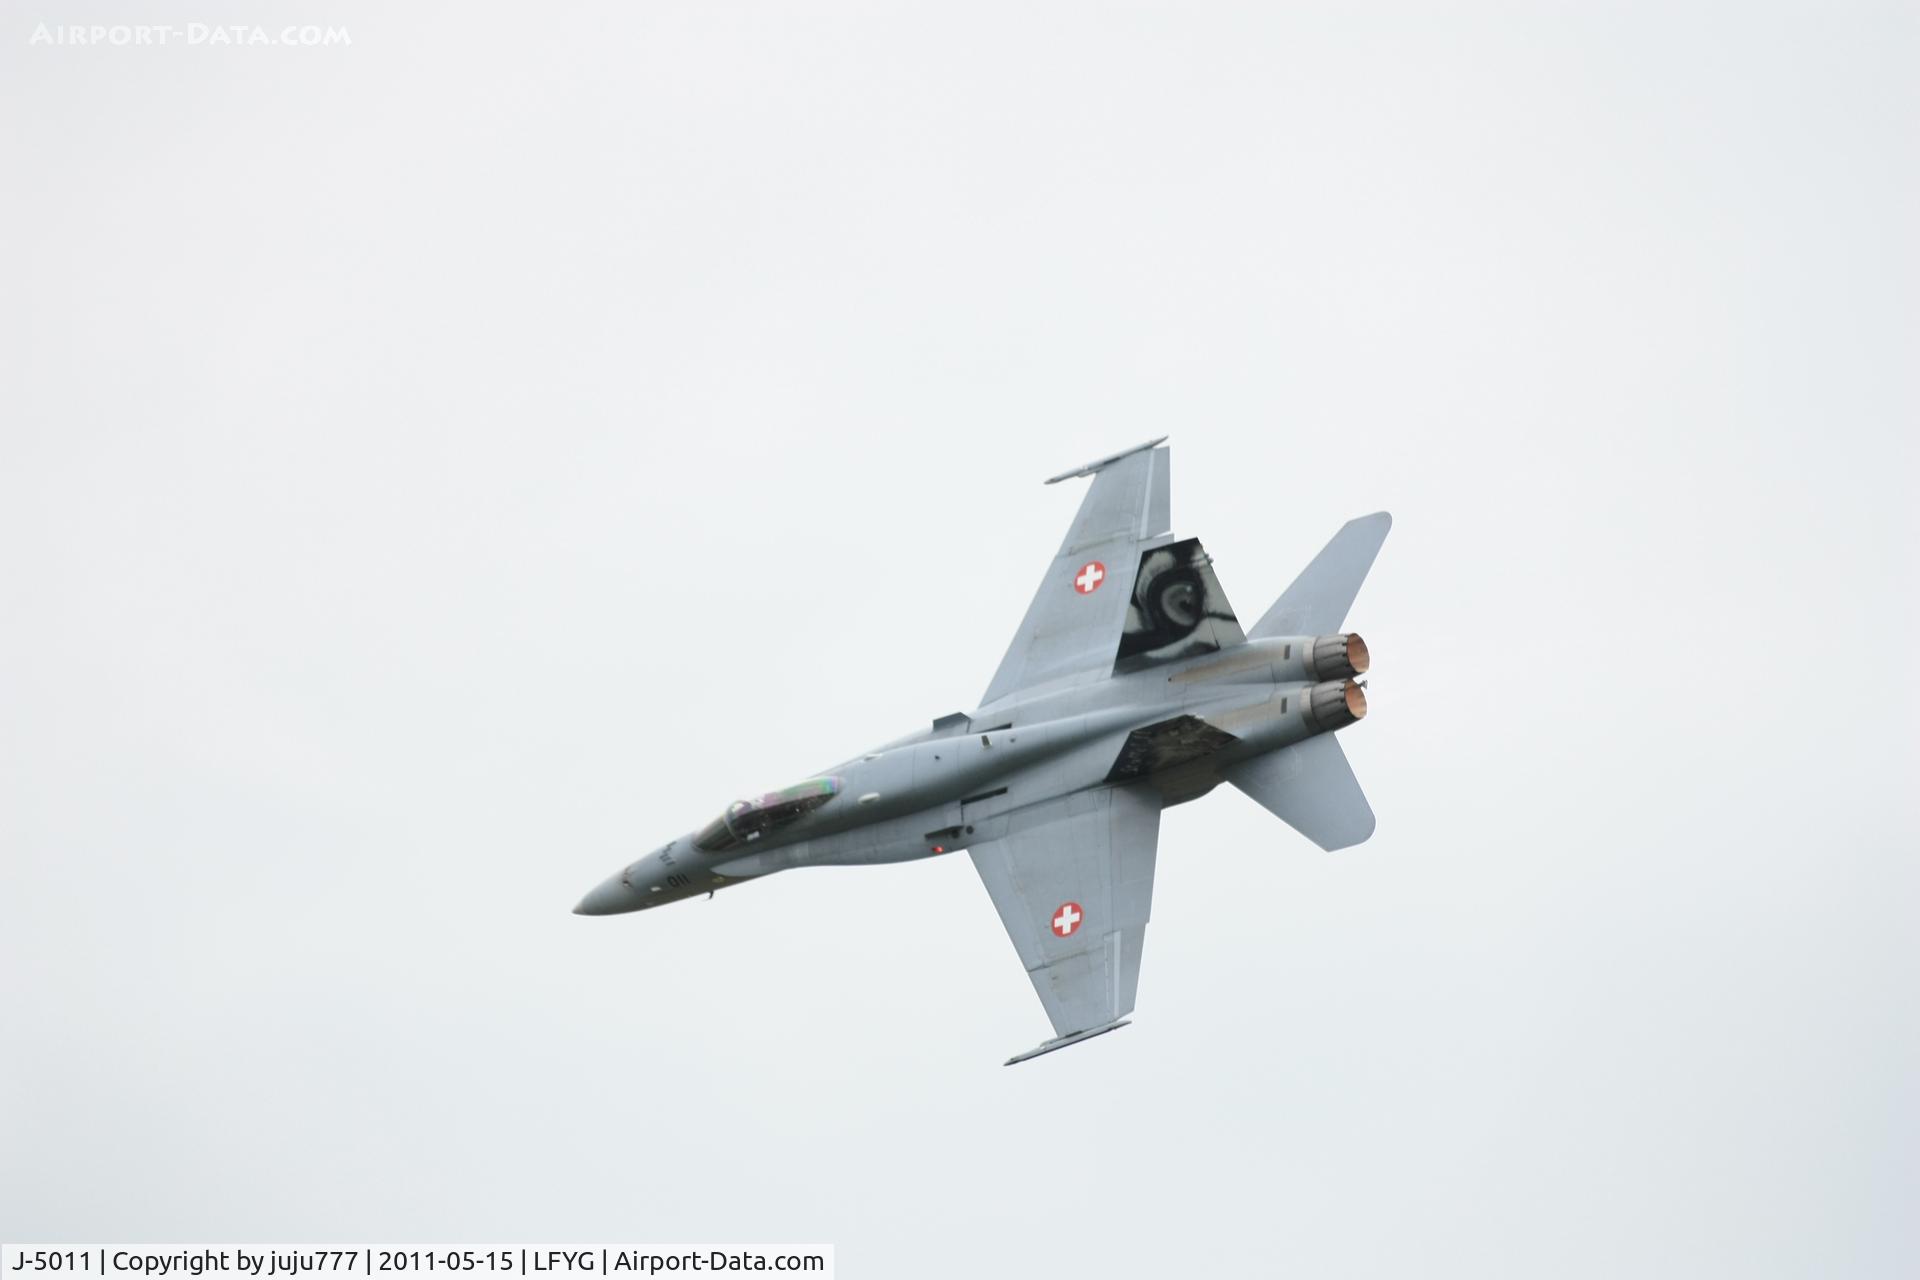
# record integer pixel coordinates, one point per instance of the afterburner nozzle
(1336, 704)
(1338, 657)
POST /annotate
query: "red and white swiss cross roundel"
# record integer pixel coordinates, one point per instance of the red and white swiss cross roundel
(1067, 919)
(1087, 579)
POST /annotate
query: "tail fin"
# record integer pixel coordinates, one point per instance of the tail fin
(1317, 602)
(1178, 609)
(1310, 787)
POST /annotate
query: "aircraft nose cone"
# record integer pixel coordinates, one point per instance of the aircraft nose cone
(609, 898)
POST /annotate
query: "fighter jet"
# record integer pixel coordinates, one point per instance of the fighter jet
(1130, 687)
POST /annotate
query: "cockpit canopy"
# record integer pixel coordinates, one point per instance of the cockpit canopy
(748, 820)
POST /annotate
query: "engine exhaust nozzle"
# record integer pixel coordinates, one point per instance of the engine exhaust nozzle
(1338, 657)
(1336, 704)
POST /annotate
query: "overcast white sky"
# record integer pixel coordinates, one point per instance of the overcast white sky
(436, 469)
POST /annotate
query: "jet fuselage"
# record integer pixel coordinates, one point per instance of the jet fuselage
(1173, 726)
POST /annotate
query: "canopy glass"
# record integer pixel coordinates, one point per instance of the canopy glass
(748, 820)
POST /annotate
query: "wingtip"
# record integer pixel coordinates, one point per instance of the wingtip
(1361, 832)
(1062, 1042)
(1107, 461)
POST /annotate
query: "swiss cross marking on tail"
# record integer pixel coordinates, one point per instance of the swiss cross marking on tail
(1066, 919)
(1091, 575)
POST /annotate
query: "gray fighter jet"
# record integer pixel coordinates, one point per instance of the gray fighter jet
(1129, 687)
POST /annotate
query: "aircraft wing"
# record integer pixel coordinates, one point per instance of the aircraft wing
(1073, 882)
(1073, 627)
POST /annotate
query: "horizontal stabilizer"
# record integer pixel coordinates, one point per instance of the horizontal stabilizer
(1317, 602)
(1310, 787)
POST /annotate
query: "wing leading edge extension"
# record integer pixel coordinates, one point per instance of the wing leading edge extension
(1072, 880)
